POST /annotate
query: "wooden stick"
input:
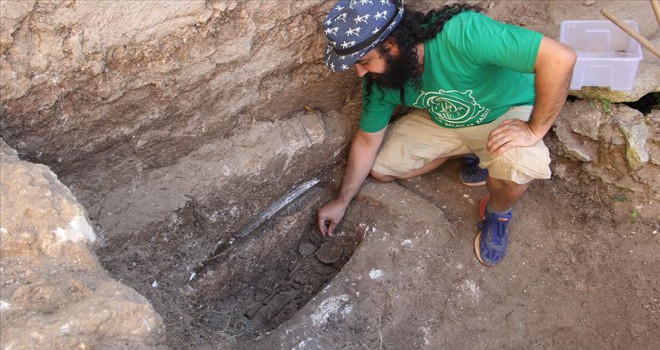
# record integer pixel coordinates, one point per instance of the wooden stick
(647, 44)
(656, 9)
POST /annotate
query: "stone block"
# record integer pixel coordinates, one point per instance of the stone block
(55, 294)
(636, 132)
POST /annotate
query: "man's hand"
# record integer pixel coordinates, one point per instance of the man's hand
(511, 133)
(330, 215)
(361, 158)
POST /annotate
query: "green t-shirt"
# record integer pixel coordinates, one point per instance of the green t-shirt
(475, 69)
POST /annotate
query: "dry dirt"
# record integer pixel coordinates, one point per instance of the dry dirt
(580, 263)
(581, 273)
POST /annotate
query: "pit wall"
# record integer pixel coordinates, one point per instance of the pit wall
(105, 92)
(151, 113)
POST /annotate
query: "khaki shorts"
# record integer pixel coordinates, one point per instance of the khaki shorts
(415, 140)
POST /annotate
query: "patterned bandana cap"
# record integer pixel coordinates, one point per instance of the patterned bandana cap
(354, 27)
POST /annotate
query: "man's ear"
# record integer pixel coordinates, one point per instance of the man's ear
(391, 45)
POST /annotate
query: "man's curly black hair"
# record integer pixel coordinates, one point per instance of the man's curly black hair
(417, 27)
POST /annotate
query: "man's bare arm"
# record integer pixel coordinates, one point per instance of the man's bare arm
(361, 158)
(553, 68)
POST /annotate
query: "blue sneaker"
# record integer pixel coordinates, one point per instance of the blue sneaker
(492, 240)
(472, 174)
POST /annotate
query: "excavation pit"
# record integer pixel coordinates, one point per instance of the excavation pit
(250, 282)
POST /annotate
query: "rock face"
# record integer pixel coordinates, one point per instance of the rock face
(52, 285)
(97, 86)
(616, 144)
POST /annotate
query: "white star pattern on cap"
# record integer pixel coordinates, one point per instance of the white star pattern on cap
(353, 27)
(347, 44)
(362, 19)
(332, 31)
(353, 31)
(382, 14)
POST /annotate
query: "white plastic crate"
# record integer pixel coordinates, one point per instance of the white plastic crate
(607, 56)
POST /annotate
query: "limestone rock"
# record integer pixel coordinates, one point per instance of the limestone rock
(653, 145)
(578, 126)
(636, 133)
(615, 142)
(55, 294)
(585, 126)
(654, 154)
(573, 145)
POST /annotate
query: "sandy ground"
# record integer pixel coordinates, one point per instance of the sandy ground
(578, 275)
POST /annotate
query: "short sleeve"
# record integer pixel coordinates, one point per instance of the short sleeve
(485, 41)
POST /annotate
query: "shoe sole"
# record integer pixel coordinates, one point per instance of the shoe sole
(482, 217)
(472, 184)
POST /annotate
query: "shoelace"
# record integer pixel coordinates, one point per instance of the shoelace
(497, 233)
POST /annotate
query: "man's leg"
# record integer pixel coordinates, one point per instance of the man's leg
(414, 146)
(510, 175)
(427, 168)
(504, 193)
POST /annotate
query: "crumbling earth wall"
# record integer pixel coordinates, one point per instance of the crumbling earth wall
(154, 112)
(121, 89)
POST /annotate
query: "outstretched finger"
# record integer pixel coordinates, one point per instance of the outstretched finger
(331, 228)
(323, 226)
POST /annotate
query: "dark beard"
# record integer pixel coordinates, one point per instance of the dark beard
(396, 73)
